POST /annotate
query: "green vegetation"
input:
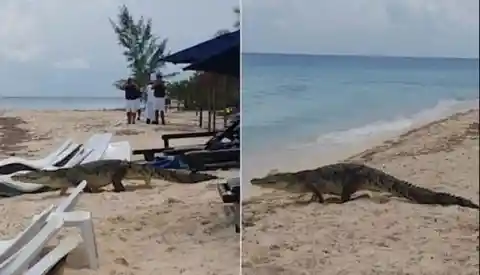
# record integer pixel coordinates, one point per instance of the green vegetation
(144, 52)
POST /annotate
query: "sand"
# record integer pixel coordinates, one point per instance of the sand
(171, 229)
(367, 237)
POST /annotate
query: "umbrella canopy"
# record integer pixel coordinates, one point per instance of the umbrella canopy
(205, 49)
(226, 62)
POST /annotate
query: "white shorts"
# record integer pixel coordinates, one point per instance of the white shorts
(149, 112)
(158, 103)
(132, 105)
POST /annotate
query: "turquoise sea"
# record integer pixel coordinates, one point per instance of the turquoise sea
(298, 108)
(61, 102)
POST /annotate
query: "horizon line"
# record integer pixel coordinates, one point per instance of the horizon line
(361, 55)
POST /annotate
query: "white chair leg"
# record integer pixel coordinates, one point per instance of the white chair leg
(83, 221)
(48, 261)
(88, 236)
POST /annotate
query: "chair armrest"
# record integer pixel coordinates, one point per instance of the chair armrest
(167, 137)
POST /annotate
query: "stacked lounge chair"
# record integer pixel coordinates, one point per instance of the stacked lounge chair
(57, 158)
(93, 149)
(18, 254)
(214, 154)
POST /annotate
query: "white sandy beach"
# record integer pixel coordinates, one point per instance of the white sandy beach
(365, 237)
(171, 229)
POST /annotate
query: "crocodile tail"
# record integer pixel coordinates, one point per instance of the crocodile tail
(449, 199)
(183, 176)
(199, 177)
(426, 196)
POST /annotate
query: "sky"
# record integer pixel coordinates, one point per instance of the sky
(67, 48)
(425, 28)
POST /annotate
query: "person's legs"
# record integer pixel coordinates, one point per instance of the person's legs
(155, 121)
(129, 120)
(134, 111)
(161, 108)
(162, 117)
(156, 113)
(138, 106)
(128, 109)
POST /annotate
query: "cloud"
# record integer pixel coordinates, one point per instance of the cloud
(74, 63)
(38, 37)
(372, 27)
(18, 35)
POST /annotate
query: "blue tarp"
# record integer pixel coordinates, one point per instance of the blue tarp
(169, 162)
(220, 54)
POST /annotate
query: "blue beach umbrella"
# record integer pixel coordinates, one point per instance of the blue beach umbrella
(220, 54)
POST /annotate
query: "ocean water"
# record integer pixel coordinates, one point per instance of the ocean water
(61, 103)
(298, 107)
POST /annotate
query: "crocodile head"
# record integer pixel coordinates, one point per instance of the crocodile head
(291, 182)
(53, 179)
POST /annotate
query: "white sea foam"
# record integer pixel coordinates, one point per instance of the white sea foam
(382, 128)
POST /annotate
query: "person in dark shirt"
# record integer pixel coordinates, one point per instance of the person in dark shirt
(159, 92)
(131, 97)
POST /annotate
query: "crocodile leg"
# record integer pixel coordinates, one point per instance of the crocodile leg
(63, 191)
(317, 195)
(117, 178)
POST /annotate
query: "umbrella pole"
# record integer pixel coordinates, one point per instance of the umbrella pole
(209, 110)
(214, 108)
(225, 92)
(200, 117)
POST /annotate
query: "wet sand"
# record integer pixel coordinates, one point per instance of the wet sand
(367, 237)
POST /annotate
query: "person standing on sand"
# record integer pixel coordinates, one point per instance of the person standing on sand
(159, 92)
(149, 111)
(131, 98)
(139, 102)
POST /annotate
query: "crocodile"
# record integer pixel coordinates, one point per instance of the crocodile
(101, 173)
(344, 179)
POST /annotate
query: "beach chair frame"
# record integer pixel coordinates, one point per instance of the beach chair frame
(230, 194)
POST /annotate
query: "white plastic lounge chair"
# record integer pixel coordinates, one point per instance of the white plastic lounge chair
(48, 262)
(20, 262)
(83, 221)
(92, 150)
(67, 204)
(9, 247)
(118, 150)
(24, 187)
(51, 159)
(96, 144)
(80, 219)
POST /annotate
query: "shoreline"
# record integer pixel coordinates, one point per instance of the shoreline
(337, 145)
(367, 237)
(314, 156)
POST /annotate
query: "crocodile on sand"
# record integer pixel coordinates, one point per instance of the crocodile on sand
(344, 179)
(104, 172)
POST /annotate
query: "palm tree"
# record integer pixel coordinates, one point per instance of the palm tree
(143, 50)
